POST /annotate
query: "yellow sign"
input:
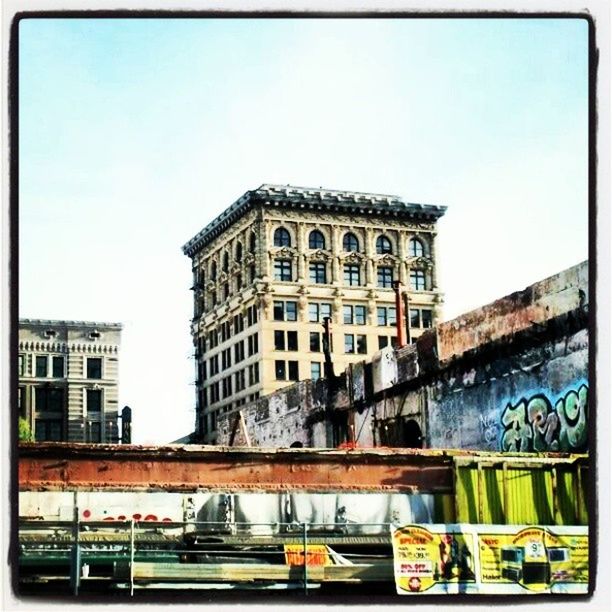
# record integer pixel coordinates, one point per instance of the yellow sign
(496, 559)
(423, 558)
(316, 554)
(534, 558)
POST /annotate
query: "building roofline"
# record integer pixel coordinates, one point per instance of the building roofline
(71, 323)
(334, 200)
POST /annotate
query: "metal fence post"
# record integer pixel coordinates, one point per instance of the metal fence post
(305, 542)
(132, 558)
(75, 554)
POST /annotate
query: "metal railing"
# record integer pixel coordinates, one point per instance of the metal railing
(133, 541)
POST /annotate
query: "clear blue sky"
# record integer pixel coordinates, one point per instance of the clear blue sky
(135, 133)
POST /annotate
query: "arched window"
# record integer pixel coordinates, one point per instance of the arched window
(350, 243)
(316, 240)
(225, 262)
(213, 271)
(415, 248)
(252, 240)
(383, 245)
(282, 238)
(239, 252)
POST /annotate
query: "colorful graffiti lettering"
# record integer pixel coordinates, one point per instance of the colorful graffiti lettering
(533, 425)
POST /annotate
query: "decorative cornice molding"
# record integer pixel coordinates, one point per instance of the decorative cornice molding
(317, 200)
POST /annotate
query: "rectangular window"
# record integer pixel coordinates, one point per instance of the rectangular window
(352, 275)
(251, 315)
(48, 430)
(415, 317)
(94, 367)
(349, 343)
(317, 312)
(253, 344)
(94, 431)
(318, 273)
(94, 401)
(58, 367)
(49, 399)
(22, 365)
(315, 370)
(291, 311)
(282, 270)
(362, 345)
(292, 341)
(315, 342)
(382, 342)
(238, 323)
(253, 374)
(279, 340)
(347, 315)
(240, 380)
(360, 315)
(386, 315)
(41, 366)
(417, 280)
(385, 277)
(285, 311)
(426, 318)
(280, 370)
(285, 340)
(239, 351)
(293, 370)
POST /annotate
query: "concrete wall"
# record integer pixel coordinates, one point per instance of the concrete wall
(512, 376)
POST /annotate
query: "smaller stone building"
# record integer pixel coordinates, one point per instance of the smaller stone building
(68, 379)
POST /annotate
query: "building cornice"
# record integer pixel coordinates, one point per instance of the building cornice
(322, 200)
(76, 324)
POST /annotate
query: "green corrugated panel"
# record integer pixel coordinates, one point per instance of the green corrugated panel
(527, 498)
(493, 489)
(467, 494)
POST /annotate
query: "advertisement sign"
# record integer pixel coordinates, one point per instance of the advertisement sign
(316, 554)
(490, 559)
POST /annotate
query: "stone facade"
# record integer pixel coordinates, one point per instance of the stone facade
(278, 261)
(68, 379)
(510, 376)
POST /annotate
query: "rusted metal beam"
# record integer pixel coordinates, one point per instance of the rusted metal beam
(85, 467)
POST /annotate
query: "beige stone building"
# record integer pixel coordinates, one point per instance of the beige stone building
(68, 379)
(280, 259)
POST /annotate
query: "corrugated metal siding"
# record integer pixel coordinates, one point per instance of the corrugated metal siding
(538, 495)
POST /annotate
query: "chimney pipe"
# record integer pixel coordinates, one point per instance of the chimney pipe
(399, 314)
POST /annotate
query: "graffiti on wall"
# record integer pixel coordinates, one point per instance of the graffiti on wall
(534, 425)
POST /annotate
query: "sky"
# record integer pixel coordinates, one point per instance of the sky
(134, 134)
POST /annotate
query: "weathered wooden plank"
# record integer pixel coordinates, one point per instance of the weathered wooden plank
(236, 572)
